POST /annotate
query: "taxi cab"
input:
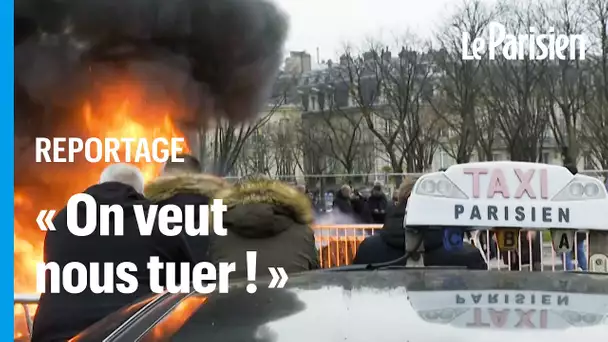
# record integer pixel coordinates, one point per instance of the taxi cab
(384, 302)
(387, 304)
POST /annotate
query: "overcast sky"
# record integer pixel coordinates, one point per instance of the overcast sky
(329, 24)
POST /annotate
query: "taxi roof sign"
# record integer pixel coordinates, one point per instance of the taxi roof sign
(508, 194)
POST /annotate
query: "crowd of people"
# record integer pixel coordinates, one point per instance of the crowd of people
(362, 208)
(268, 216)
(354, 206)
(389, 243)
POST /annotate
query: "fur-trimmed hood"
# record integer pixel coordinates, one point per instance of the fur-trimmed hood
(165, 187)
(262, 208)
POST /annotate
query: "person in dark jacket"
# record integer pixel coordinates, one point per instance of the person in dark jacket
(342, 200)
(378, 204)
(182, 184)
(269, 217)
(389, 243)
(581, 237)
(360, 206)
(61, 316)
(435, 253)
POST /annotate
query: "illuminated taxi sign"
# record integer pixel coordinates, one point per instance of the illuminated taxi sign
(497, 183)
(508, 194)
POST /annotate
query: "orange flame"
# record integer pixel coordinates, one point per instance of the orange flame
(122, 112)
(174, 321)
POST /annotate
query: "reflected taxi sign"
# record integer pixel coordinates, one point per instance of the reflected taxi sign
(510, 309)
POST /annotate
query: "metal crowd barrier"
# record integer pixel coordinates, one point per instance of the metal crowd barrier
(25, 300)
(338, 244)
(533, 251)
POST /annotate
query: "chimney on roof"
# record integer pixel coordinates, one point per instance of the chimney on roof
(403, 52)
(408, 55)
(386, 55)
(298, 62)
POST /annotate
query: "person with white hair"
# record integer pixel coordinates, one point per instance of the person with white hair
(124, 174)
(342, 200)
(61, 316)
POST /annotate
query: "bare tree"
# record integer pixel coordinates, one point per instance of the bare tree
(224, 143)
(256, 155)
(389, 94)
(366, 160)
(314, 160)
(460, 80)
(426, 144)
(343, 135)
(486, 124)
(513, 91)
(595, 120)
(566, 83)
(284, 139)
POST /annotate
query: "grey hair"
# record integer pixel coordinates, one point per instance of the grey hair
(125, 174)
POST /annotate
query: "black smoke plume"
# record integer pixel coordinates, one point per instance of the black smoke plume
(217, 58)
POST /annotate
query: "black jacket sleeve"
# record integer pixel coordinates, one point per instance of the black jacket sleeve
(173, 248)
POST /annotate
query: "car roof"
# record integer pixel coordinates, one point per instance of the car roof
(441, 279)
(394, 304)
(400, 305)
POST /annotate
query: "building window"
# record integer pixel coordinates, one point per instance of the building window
(589, 164)
(441, 159)
(546, 158)
(443, 132)
(305, 102)
(496, 157)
